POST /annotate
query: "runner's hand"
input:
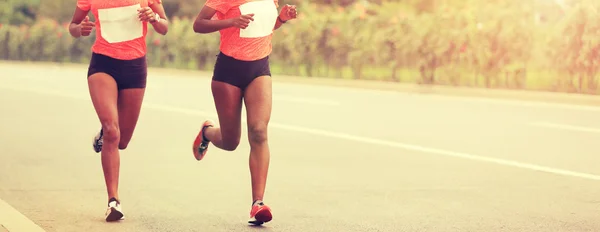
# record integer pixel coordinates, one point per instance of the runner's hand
(243, 21)
(146, 15)
(288, 12)
(86, 26)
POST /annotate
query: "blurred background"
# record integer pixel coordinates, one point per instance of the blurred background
(344, 159)
(549, 45)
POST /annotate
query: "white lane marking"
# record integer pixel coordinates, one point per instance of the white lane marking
(13, 220)
(499, 101)
(526, 103)
(440, 152)
(440, 95)
(566, 127)
(361, 139)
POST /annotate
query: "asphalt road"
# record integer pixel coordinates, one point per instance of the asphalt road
(342, 160)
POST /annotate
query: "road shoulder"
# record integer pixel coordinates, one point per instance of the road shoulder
(522, 95)
(13, 221)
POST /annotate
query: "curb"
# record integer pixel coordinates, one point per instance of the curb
(12, 220)
(459, 91)
(522, 95)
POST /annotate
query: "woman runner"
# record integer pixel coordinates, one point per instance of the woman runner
(117, 75)
(242, 73)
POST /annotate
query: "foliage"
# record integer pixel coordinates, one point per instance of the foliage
(496, 43)
(18, 11)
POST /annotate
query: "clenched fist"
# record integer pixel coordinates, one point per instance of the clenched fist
(86, 26)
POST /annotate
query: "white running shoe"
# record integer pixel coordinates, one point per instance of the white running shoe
(114, 211)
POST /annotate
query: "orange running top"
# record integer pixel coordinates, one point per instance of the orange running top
(254, 42)
(119, 32)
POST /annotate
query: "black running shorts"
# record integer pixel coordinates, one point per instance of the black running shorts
(128, 74)
(239, 73)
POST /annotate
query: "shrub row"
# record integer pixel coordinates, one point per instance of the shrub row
(505, 47)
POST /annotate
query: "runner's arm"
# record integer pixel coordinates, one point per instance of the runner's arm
(203, 23)
(75, 25)
(279, 23)
(288, 12)
(161, 26)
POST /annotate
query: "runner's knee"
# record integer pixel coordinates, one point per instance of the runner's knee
(123, 145)
(111, 132)
(257, 134)
(230, 144)
(230, 139)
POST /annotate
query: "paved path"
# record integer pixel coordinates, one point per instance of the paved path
(342, 160)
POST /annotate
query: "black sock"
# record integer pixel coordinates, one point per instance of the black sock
(113, 199)
(254, 202)
(204, 134)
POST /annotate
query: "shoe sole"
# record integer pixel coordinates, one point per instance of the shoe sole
(198, 142)
(96, 149)
(94, 142)
(114, 215)
(262, 217)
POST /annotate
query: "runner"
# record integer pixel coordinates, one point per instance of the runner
(117, 75)
(242, 73)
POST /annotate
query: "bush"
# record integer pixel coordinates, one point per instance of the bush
(501, 44)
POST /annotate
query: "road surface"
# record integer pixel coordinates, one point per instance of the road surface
(342, 160)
